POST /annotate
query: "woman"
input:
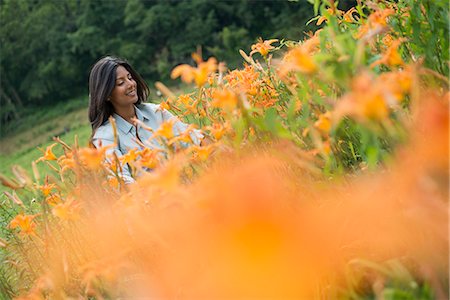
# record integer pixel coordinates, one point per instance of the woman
(117, 90)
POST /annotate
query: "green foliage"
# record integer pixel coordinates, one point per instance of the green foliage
(49, 46)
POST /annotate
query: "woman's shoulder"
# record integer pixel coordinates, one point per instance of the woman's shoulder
(104, 132)
(148, 107)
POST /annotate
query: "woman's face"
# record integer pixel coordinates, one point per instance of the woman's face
(124, 92)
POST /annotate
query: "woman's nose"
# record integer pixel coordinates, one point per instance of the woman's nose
(131, 83)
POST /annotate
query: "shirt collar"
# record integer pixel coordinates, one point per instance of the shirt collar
(123, 125)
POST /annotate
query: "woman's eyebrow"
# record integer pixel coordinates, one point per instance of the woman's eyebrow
(122, 77)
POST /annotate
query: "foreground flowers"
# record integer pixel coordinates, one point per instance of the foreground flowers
(298, 190)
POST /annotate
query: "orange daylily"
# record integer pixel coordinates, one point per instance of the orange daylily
(53, 199)
(66, 161)
(376, 22)
(348, 15)
(129, 157)
(68, 210)
(48, 154)
(199, 75)
(369, 99)
(47, 188)
(324, 122)
(218, 130)
(166, 129)
(93, 158)
(225, 99)
(330, 11)
(24, 223)
(299, 60)
(202, 153)
(391, 57)
(263, 47)
(149, 158)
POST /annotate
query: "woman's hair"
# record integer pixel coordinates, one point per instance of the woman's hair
(102, 81)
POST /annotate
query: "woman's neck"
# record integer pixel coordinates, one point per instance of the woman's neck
(127, 113)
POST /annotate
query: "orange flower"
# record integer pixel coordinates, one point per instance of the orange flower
(129, 157)
(298, 60)
(324, 18)
(369, 99)
(93, 158)
(199, 74)
(24, 223)
(66, 161)
(68, 210)
(47, 188)
(391, 57)
(164, 105)
(218, 130)
(349, 17)
(224, 99)
(324, 122)
(166, 129)
(53, 199)
(149, 158)
(375, 23)
(263, 47)
(48, 154)
(202, 153)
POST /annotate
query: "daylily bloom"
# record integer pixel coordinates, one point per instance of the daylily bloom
(376, 22)
(149, 158)
(129, 157)
(47, 188)
(48, 154)
(263, 47)
(53, 199)
(224, 99)
(324, 122)
(391, 57)
(199, 74)
(166, 129)
(93, 158)
(68, 210)
(299, 60)
(202, 153)
(218, 130)
(24, 223)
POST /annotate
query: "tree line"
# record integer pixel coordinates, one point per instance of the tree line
(48, 46)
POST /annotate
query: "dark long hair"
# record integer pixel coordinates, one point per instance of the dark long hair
(102, 80)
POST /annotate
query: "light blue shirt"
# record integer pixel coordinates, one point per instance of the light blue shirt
(151, 115)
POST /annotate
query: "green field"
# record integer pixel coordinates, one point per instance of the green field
(24, 139)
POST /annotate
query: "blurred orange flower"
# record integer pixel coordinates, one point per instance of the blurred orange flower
(93, 158)
(263, 47)
(324, 122)
(68, 210)
(199, 75)
(24, 223)
(130, 157)
(53, 199)
(225, 99)
(166, 129)
(149, 158)
(391, 57)
(202, 153)
(376, 22)
(47, 188)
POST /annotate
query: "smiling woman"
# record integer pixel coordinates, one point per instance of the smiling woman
(117, 90)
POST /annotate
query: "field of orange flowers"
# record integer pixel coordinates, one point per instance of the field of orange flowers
(325, 176)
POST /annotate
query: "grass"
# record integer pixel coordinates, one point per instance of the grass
(21, 145)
